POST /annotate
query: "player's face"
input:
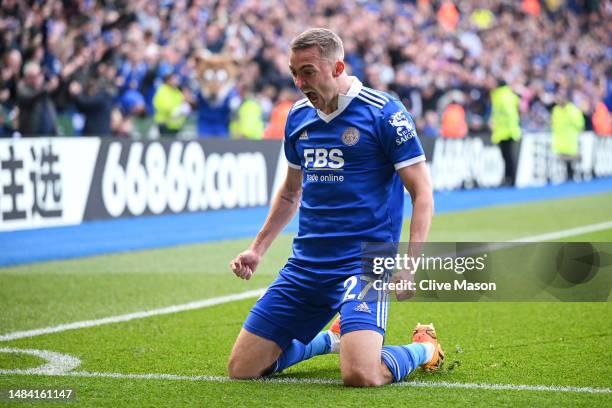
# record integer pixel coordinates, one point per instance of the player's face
(313, 75)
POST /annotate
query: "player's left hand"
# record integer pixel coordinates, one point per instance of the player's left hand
(404, 276)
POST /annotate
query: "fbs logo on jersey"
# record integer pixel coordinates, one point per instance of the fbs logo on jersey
(362, 307)
(322, 158)
(403, 127)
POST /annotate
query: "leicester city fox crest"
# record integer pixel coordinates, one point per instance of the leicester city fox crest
(403, 127)
(350, 136)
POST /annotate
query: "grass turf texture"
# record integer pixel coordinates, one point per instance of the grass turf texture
(506, 343)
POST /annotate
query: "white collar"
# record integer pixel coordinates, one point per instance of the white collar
(343, 100)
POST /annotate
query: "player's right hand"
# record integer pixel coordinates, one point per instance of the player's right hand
(245, 263)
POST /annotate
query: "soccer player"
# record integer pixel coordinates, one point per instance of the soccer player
(350, 152)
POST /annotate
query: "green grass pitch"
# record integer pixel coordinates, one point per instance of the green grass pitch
(514, 343)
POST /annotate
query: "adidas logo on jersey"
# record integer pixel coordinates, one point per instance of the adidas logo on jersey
(362, 307)
(304, 136)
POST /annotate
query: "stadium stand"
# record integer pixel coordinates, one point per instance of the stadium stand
(429, 53)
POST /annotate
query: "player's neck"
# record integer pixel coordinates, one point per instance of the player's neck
(344, 84)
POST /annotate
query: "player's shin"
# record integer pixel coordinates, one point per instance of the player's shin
(402, 360)
(298, 351)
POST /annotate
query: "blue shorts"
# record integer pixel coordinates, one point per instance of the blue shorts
(294, 307)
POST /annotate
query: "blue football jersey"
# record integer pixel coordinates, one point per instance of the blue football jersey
(351, 193)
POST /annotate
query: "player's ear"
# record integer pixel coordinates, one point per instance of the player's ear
(338, 68)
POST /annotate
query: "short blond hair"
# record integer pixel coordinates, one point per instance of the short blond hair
(328, 43)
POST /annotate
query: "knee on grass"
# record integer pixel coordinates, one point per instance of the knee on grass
(362, 377)
(239, 369)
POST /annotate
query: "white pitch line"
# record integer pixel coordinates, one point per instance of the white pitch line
(551, 236)
(285, 380)
(253, 293)
(56, 363)
(131, 316)
(509, 387)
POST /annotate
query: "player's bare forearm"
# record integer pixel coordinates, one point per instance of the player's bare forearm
(416, 180)
(420, 222)
(284, 206)
(418, 183)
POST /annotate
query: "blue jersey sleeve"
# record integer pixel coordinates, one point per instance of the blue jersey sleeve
(293, 159)
(399, 137)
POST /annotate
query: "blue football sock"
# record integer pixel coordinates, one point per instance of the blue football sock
(402, 360)
(298, 351)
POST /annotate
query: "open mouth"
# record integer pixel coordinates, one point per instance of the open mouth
(312, 96)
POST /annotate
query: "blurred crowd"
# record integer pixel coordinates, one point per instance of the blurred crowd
(107, 65)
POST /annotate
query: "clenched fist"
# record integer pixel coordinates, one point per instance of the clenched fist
(245, 263)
